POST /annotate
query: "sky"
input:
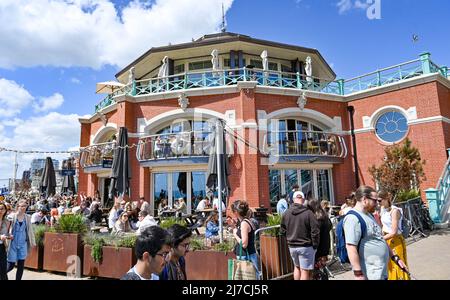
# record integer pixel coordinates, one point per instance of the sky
(53, 52)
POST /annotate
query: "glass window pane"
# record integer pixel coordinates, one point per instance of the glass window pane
(290, 179)
(160, 185)
(198, 188)
(307, 183)
(323, 187)
(179, 186)
(274, 186)
(391, 126)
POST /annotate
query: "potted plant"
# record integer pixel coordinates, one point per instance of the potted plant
(168, 222)
(108, 256)
(209, 263)
(35, 258)
(274, 252)
(63, 248)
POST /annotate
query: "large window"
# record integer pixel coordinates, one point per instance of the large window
(313, 183)
(191, 186)
(391, 126)
(200, 65)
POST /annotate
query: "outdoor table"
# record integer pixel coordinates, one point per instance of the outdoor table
(168, 213)
(191, 222)
(96, 228)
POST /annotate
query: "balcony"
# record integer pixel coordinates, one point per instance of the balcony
(209, 78)
(189, 147)
(92, 157)
(305, 146)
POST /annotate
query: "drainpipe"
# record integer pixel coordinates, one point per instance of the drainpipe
(351, 111)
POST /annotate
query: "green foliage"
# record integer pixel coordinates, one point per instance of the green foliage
(197, 244)
(39, 232)
(401, 169)
(403, 196)
(226, 246)
(166, 223)
(96, 241)
(273, 220)
(124, 241)
(71, 224)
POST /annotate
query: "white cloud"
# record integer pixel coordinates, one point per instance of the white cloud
(91, 33)
(13, 98)
(347, 5)
(52, 132)
(48, 103)
(11, 123)
(75, 80)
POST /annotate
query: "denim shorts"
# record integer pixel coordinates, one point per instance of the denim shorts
(303, 257)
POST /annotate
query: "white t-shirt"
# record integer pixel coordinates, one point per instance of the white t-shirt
(201, 205)
(216, 204)
(148, 221)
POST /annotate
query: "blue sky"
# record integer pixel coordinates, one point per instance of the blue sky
(53, 52)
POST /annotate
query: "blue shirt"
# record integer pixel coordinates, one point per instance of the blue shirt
(282, 206)
(211, 229)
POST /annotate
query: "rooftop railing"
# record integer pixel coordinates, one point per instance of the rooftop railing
(174, 145)
(217, 78)
(94, 155)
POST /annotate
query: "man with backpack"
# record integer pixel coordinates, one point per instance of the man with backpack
(365, 248)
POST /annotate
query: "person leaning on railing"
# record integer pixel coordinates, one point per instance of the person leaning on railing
(391, 219)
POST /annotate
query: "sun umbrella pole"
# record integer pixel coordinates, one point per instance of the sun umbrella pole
(219, 148)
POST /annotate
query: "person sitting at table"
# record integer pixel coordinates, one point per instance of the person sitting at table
(145, 221)
(113, 214)
(212, 229)
(95, 215)
(122, 225)
(203, 205)
(216, 205)
(162, 207)
(181, 207)
(132, 215)
(40, 217)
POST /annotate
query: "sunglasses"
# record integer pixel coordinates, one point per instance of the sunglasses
(375, 199)
(163, 255)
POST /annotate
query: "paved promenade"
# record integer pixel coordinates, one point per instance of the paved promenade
(428, 258)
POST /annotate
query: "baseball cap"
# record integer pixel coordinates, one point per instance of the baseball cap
(298, 193)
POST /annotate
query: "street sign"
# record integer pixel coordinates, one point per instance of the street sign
(68, 172)
(107, 163)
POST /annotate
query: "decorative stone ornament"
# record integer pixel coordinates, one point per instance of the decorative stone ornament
(103, 118)
(183, 101)
(301, 101)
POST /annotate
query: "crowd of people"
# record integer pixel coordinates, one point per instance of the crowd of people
(372, 233)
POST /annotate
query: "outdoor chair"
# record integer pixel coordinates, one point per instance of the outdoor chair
(310, 148)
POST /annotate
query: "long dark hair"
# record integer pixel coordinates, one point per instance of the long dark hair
(314, 205)
(6, 211)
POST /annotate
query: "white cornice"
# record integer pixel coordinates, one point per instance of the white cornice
(411, 122)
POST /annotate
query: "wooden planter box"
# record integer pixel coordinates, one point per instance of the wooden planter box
(207, 264)
(35, 258)
(115, 262)
(275, 257)
(63, 252)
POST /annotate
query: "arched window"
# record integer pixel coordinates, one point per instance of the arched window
(391, 126)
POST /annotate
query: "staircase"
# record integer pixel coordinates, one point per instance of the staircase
(439, 198)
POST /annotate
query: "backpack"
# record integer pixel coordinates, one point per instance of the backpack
(340, 236)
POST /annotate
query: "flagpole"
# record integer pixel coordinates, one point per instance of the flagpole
(219, 149)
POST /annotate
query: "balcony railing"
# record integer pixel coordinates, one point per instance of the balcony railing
(93, 156)
(209, 78)
(174, 145)
(309, 143)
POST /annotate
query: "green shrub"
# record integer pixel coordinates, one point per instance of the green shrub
(96, 241)
(197, 244)
(403, 196)
(125, 241)
(71, 224)
(39, 232)
(166, 223)
(226, 246)
(273, 220)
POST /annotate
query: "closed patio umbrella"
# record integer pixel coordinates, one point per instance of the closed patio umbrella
(68, 184)
(48, 178)
(121, 169)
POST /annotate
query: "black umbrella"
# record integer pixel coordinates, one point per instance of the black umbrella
(48, 178)
(211, 173)
(121, 169)
(68, 184)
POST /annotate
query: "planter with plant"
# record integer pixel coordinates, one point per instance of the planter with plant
(274, 254)
(35, 258)
(63, 248)
(108, 256)
(168, 222)
(209, 264)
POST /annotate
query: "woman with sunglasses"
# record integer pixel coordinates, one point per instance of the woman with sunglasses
(175, 268)
(122, 225)
(391, 219)
(4, 228)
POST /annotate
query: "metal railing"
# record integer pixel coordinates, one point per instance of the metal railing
(174, 145)
(443, 188)
(416, 216)
(93, 155)
(294, 142)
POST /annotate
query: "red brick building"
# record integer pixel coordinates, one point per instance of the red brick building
(283, 100)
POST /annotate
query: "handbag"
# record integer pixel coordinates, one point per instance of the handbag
(239, 269)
